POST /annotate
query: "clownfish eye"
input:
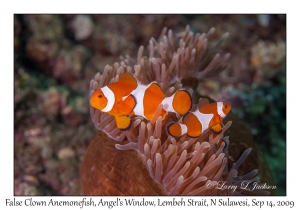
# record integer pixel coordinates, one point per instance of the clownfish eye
(225, 106)
(100, 96)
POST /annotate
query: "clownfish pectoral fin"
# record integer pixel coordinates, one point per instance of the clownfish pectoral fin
(126, 106)
(123, 122)
(182, 102)
(176, 129)
(217, 128)
(202, 102)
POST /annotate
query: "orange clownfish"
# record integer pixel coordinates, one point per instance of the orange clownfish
(206, 116)
(128, 97)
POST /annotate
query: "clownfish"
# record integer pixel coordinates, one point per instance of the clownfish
(206, 116)
(128, 97)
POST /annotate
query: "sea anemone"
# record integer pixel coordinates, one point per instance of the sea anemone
(179, 166)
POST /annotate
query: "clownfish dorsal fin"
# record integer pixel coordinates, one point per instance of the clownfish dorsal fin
(202, 102)
(126, 84)
(155, 89)
(123, 122)
(128, 78)
(126, 106)
(217, 129)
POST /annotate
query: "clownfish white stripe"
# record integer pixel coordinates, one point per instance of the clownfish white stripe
(167, 104)
(204, 119)
(138, 94)
(110, 99)
(183, 128)
(220, 109)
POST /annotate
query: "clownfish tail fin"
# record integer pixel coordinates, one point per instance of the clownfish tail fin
(176, 129)
(182, 101)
